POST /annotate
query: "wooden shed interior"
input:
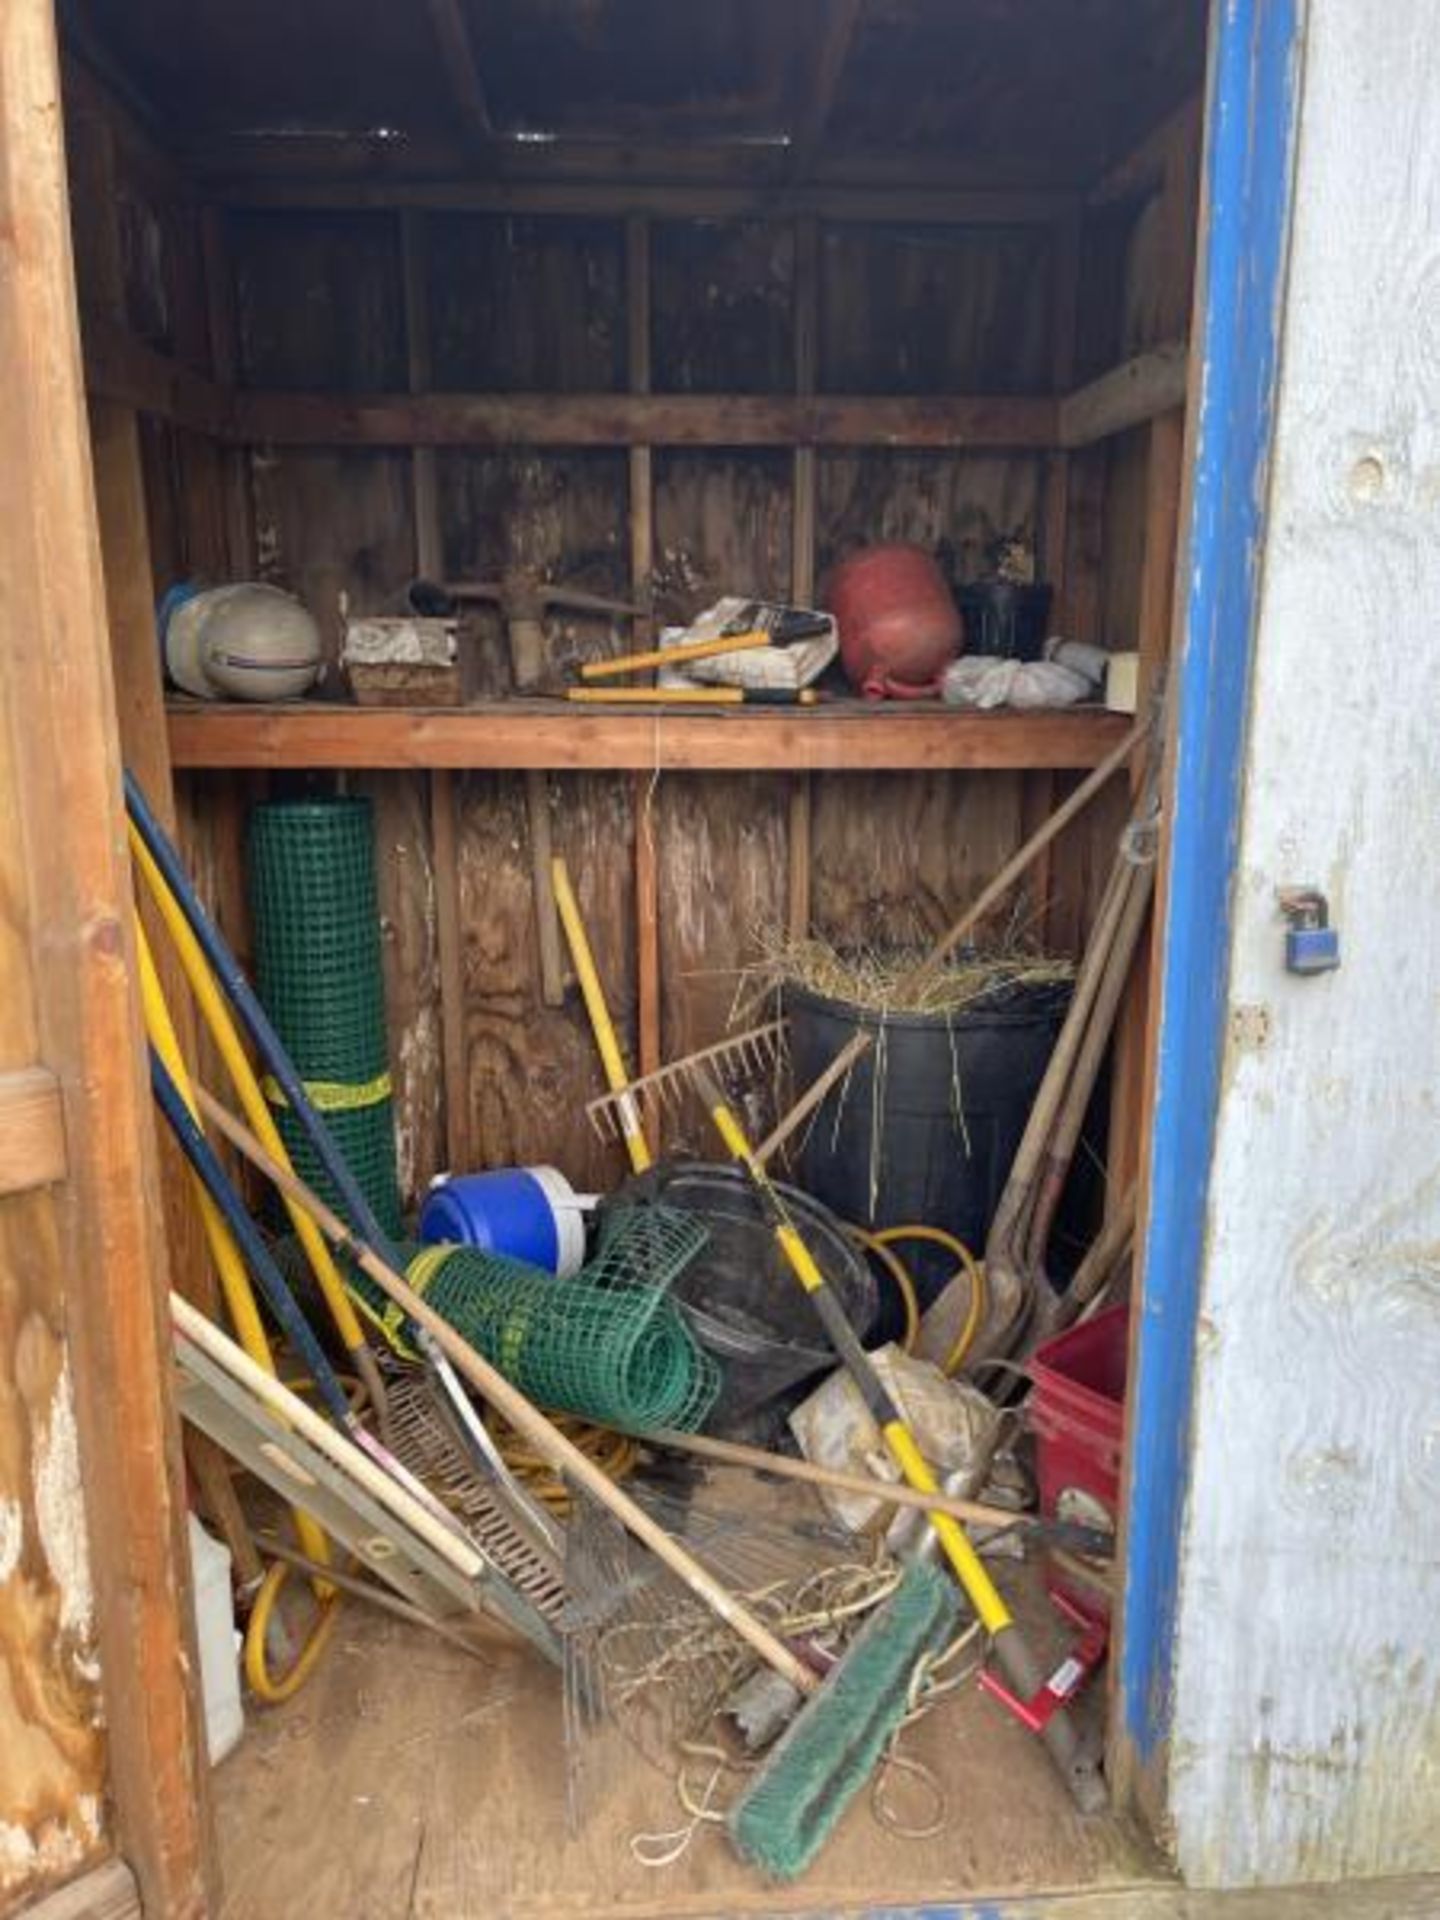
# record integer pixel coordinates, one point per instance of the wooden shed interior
(655, 302)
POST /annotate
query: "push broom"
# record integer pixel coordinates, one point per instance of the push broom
(762, 1811)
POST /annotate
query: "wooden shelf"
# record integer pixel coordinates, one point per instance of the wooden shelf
(840, 737)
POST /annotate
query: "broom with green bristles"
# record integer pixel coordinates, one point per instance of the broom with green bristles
(771, 1824)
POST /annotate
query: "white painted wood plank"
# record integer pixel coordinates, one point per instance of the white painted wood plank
(1307, 1728)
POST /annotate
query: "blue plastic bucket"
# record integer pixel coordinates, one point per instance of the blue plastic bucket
(529, 1213)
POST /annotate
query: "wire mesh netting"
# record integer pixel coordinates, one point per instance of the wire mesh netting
(318, 968)
(648, 1662)
(609, 1345)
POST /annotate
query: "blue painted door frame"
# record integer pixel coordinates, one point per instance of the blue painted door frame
(1245, 222)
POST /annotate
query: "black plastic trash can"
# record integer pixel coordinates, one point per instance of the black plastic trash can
(925, 1126)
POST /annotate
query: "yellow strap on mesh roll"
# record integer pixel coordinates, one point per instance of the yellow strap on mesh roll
(392, 1320)
(424, 1267)
(333, 1096)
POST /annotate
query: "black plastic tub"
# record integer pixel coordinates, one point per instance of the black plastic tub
(744, 1304)
(1004, 617)
(935, 1144)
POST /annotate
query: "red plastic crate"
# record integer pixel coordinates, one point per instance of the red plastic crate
(1076, 1411)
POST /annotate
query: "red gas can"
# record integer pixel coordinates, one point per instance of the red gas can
(899, 626)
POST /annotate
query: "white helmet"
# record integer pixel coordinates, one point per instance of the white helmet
(243, 642)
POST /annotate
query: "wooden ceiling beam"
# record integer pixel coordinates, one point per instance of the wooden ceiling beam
(462, 71)
(233, 167)
(834, 51)
(951, 206)
(663, 420)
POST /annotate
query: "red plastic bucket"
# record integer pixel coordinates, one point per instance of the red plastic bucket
(1077, 1414)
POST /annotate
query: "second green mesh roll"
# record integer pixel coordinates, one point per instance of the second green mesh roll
(317, 950)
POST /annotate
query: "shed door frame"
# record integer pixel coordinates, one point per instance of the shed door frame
(1250, 120)
(1252, 97)
(55, 656)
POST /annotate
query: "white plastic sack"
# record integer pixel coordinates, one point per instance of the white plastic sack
(983, 682)
(953, 1424)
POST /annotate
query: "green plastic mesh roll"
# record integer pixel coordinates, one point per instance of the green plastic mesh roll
(609, 1345)
(317, 952)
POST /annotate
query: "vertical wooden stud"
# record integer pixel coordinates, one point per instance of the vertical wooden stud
(67, 766)
(119, 485)
(802, 551)
(1163, 484)
(460, 1149)
(239, 505)
(642, 564)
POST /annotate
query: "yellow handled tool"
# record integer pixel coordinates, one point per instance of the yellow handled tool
(226, 1037)
(1011, 1650)
(694, 696)
(616, 1078)
(676, 656)
(245, 1316)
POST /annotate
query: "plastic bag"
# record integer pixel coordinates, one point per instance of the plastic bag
(981, 681)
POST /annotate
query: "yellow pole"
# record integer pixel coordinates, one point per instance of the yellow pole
(256, 1109)
(601, 1025)
(234, 1280)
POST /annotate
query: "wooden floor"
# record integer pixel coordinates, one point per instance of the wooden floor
(408, 1779)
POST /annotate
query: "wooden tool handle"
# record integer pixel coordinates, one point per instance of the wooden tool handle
(676, 656)
(890, 1493)
(527, 1419)
(1031, 851)
(693, 696)
(956, 932)
(288, 1407)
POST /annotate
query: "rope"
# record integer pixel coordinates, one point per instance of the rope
(932, 1681)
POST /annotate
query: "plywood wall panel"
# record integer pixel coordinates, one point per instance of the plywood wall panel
(935, 309)
(336, 529)
(952, 502)
(723, 306)
(722, 526)
(525, 305)
(405, 888)
(895, 858)
(723, 881)
(531, 1068)
(319, 301)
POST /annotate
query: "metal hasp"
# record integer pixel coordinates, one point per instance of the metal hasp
(1312, 945)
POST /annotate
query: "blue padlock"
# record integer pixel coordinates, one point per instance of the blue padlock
(1312, 945)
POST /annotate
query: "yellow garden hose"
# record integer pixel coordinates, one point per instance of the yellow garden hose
(968, 1265)
(900, 1274)
(250, 1330)
(257, 1665)
(227, 1040)
(882, 1245)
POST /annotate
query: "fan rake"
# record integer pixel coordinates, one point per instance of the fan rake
(654, 1097)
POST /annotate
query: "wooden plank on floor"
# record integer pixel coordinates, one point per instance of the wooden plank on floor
(107, 1892)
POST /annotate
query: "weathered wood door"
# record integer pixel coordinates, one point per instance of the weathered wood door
(99, 1746)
